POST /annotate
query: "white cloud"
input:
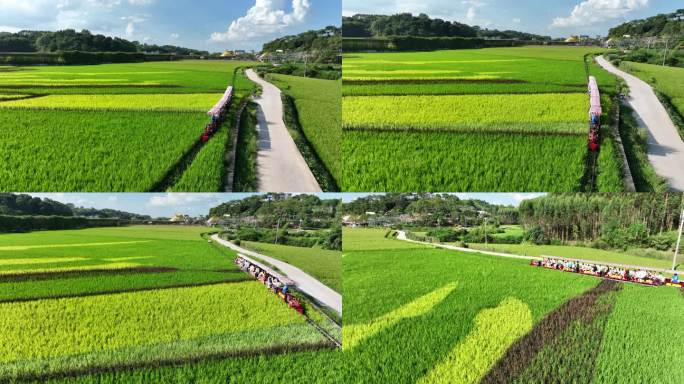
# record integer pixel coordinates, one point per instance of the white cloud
(131, 22)
(175, 36)
(590, 12)
(265, 18)
(526, 196)
(180, 199)
(113, 198)
(516, 20)
(7, 28)
(140, 2)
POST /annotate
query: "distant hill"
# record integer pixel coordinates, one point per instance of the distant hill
(671, 24)
(25, 205)
(84, 41)
(106, 213)
(324, 44)
(406, 24)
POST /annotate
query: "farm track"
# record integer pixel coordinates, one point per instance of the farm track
(304, 282)
(280, 165)
(113, 368)
(583, 308)
(665, 146)
(118, 291)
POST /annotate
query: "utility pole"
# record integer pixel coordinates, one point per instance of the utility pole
(306, 62)
(679, 239)
(485, 222)
(277, 228)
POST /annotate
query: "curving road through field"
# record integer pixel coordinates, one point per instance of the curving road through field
(665, 146)
(401, 235)
(280, 165)
(304, 282)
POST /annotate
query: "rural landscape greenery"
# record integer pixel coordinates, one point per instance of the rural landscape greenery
(137, 125)
(156, 300)
(509, 116)
(461, 316)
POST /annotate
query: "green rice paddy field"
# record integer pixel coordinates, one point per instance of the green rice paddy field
(422, 315)
(116, 127)
(144, 303)
(497, 119)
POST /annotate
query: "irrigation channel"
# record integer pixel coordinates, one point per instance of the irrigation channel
(665, 146)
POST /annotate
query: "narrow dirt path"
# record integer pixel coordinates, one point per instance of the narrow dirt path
(281, 167)
(665, 147)
(305, 282)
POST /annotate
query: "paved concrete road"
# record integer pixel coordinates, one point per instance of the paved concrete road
(281, 167)
(665, 146)
(303, 281)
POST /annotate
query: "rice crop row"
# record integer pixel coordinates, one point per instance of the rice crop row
(463, 88)
(91, 151)
(548, 113)
(437, 161)
(89, 285)
(642, 342)
(125, 327)
(322, 366)
(186, 76)
(157, 102)
(168, 247)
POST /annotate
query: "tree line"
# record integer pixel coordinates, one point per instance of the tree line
(83, 41)
(26, 205)
(322, 46)
(270, 209)
(406, 24)
(429, 209)
(671, 24)
(619, 220)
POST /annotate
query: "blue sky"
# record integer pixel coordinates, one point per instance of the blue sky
(211, 25)
(195, 204)
(555, 18)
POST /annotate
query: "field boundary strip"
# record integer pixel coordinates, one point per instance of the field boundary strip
(231, 155)
(119, 291)
(9, 277)
(358, 128)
